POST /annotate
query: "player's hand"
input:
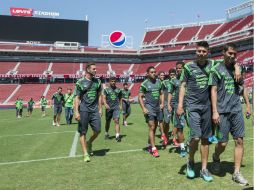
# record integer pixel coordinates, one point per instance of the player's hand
(77, 116)
(237, 74)
(145, 111)
(169, 108)
(107, 106)
(161, 106)
(248, 111)
(179, 111)
(100, 112)
(216, 118)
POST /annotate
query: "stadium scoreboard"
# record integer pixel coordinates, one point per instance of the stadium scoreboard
(44, 30)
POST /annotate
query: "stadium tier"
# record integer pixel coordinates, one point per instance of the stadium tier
(5, 67)
(119, 68)
(6, 90)
(66, 68)
(32, 68)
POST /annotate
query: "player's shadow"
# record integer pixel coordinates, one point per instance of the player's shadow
(101, 152)
(226, 167)
(130, 123)
(248, 188)
(113, 137)
(175, 149)
(70, 125)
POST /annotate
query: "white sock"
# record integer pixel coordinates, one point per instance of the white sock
(148, 145)
(117, 135)
(154, 148)
(106, 133)
(182, 145)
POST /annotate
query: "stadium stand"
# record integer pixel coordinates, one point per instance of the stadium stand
(32, 68)
(6, 90)
(5, 67)
(65, 68)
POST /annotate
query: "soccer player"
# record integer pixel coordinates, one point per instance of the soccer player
(68, 105)
(43, 103)
(87, 108)
(126, 103)
(173, 96)
(194, 79)
(58, 100)
(151, 90)
(227, 111)
(112, 97)
(30, 107)
(19, 107)
(164, 126)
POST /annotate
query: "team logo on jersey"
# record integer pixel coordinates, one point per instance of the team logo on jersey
(117, 39)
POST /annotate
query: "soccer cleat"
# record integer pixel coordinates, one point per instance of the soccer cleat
(190, 169)
(107, 137)
(216, 169)
(54, 124)
(183, 153)
(155, 153)
(57, 124)
(89, 148)
(175, 143)
(238, 178)
(206, 175)
(165, 140)
(86, 158)
(118, 139)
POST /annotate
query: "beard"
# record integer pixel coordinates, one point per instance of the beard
(230, 61)
(201, 60)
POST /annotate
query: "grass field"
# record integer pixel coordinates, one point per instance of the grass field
(35, 155)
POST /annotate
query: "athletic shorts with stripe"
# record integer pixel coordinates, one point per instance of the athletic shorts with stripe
(86, 118)
(112, 113)
(178, 122)
(166, 115)
(199, 120)
(230, 123)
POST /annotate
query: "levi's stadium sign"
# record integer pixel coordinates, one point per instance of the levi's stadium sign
(21, 11)
(30, 12)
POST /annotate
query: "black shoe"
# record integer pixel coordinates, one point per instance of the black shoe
(107, 137)
(118, 139)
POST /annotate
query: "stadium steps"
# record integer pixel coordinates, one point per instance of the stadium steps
(179, 33)
(12, 94)
(46, 90)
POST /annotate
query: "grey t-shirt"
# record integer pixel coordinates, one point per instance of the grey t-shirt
(113, 97)
(174, 89)
(58, 99)
(228, 100)
(151, 91)
(88, 91)
(126, 94)
(197, 88)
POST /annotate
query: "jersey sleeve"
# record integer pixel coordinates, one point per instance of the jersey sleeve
(142, 88)
(105, 92)
(185, 74)
(78, 89)
(170, 88)
(214, 77)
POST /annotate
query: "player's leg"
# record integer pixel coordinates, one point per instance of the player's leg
(55, 116)
(206, 128)
(109, 115)
(95, 122)
(238, 132)
(116, 115)
(82, 129)
(152, 123)
(71, 115)
(67, 115)
(59, 111)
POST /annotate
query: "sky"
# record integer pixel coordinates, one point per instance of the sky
(129, 16)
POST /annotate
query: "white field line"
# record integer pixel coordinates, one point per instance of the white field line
(21, 135)
(65, 157)
(74, 145)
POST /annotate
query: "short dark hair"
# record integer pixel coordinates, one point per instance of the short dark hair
(125, 83)
(172, 71)
(232, 45)
(161, 72)
(149, 68)
(112, 78)
(203, 44)
(180, 63)
(89, 65)
(59, 88)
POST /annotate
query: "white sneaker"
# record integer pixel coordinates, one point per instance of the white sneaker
(125, 123)
(57, 124)
(54, 124)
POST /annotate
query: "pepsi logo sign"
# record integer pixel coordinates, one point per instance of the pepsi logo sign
(117, 39)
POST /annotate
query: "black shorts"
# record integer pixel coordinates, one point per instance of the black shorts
(230, 123)
(57, 110)
(112, 113)
(157, 116)
(200, 122)
(30, 109)
(43, 108)
(92, 118)
(126, 108)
